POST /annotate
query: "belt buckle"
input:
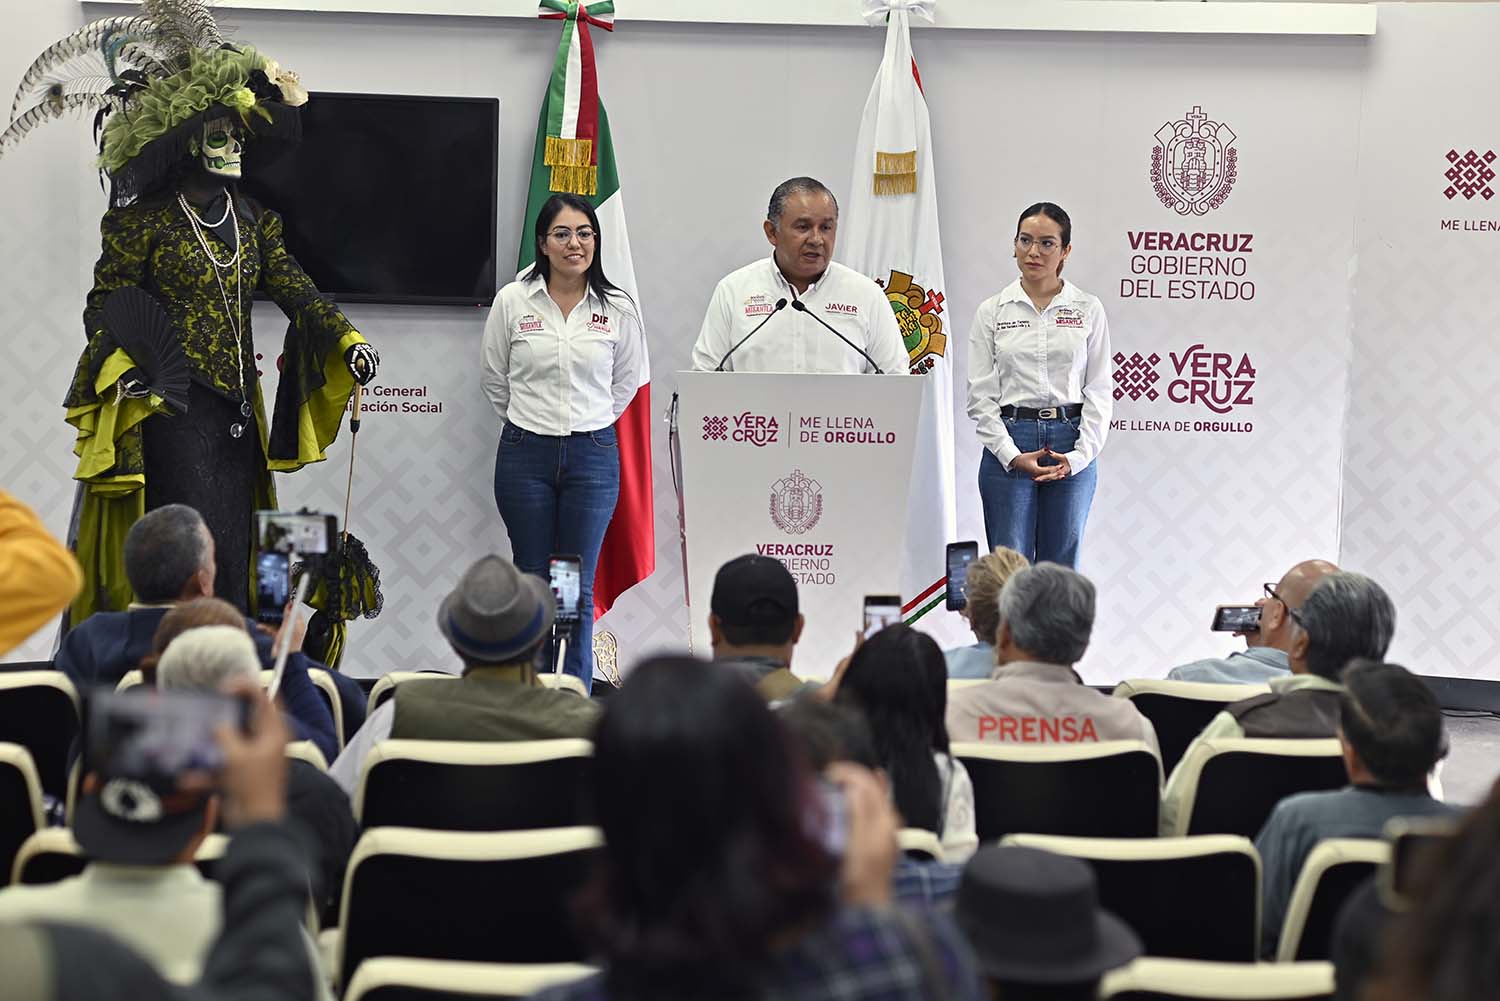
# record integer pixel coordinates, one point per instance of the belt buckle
(1047, 414)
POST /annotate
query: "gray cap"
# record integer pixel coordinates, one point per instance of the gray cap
(496, 612)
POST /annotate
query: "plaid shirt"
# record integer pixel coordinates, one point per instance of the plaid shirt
(925, 883)
(861, 955)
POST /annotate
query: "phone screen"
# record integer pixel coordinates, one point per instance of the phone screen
(154, 735)
(273, 586)
(565, 575)
(958, 557)
(1236, 619)
(881, 610)
(279, 535)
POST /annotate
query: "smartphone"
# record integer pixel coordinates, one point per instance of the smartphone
(881, 610)
(565, 574)
(1411, 839)
(1236, 619)
(154, 736)
(957, 558)
(279, 536)
(832, 824)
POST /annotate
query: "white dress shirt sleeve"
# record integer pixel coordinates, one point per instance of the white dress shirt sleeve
(718, 328)
(886, 345)
(1098, 403)
(494, 357)
(984, 388)
(628, 351)
(346, 767)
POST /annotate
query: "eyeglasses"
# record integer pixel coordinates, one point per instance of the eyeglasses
(1270, 590)
(563, 236)
(1047, 245)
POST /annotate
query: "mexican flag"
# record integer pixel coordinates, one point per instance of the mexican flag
(891, 235)
(574, 154)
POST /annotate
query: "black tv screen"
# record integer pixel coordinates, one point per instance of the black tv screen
(388, 199)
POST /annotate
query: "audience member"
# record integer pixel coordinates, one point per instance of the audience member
(38, 576)
(1266, 649)
(260, 953)
(1391, 731)
(897, 679)
(714, 883)
(1441, 947)
(753, 623)
(1046, 617)
(829, 733)
(1346, 616)
(1034, 921)
(178, 620)
(497, 620)
(169, 559)
(210, 658)
(982, 584)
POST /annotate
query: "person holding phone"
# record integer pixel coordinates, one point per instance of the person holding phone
(1039, 393)
(561, 353)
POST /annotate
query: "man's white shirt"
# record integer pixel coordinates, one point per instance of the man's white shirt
(792, 342)
(1019, 357)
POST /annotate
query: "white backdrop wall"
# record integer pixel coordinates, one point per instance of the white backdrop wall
(707, 119)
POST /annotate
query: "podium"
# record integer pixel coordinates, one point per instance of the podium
(812, 470)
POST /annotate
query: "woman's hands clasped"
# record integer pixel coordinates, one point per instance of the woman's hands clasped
(1030, 464)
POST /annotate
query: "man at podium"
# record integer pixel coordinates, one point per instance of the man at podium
(798, 311)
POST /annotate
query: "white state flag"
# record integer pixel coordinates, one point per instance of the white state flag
(891, 234)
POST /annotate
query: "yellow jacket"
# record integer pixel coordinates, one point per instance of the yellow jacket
(38, 576)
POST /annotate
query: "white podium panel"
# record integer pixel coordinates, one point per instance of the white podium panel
(813, 470)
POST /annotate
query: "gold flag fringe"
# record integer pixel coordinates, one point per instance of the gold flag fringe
(572, 171)
(896, 173)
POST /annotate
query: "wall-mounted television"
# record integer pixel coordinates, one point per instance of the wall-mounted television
(388, 198)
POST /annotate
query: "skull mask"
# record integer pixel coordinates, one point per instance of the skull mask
(221, 148)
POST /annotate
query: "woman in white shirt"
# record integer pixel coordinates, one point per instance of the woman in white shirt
(1039, 393)
(561, 358)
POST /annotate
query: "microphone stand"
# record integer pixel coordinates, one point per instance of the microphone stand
(674, 449)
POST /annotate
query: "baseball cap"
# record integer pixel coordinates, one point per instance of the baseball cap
(136, 820)
(754, 590)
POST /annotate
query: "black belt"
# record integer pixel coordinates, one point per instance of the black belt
(1068, 410)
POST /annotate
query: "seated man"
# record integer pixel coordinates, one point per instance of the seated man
(141, 884)
(985, 577)
(497, 620)
(1346, 616)
(753, 623)
(1391, 731)
(1265, 656)
(169, 559)
(38, 576)
(1034, 696)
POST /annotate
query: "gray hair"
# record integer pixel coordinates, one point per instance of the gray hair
(1347, 615)
(163, 550)
(795, 186)
(205, 658)
(1050, 611)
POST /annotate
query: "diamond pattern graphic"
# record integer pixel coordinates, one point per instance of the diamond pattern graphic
(1136, 376)
(1470, 174)
(715, 428)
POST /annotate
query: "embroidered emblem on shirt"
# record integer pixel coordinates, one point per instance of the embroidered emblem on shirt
(1067, 316)
(529, 324)
(599, 323)
(1013, 325)
(841, 307)
(759, 305)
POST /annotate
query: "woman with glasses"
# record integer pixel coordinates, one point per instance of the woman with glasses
(1039, 391)
(561, 351)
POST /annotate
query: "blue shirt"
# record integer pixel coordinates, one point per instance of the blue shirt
(1254, 666)
(977, 661)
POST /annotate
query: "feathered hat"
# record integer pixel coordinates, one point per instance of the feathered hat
(152, 80)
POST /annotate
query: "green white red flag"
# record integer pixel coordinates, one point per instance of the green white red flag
(574, 154)
(890, 233)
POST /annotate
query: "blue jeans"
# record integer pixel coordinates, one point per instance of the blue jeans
(556, 495)
(1041, 521)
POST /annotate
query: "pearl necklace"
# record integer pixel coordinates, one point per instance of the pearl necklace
(236, 322)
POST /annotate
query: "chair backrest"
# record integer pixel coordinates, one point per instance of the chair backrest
(306, 750)
(563, 682)
(53, 854)
(916, 842)
(493, 898)
(1231, 784)
(1186, 980)
(1154, 884)
(385, 689)
(390, 978)
(20, 802)
(1179, 710)
(1411, 839)
(324, 683)
(130, 679)
(1108, 789)
(1333, 870)
(457, 785)
(956, 684)
(39, 711)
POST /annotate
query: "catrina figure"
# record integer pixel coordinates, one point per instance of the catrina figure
(166, 399)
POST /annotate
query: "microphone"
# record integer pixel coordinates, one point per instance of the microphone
(780, 305)
(799, 307)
